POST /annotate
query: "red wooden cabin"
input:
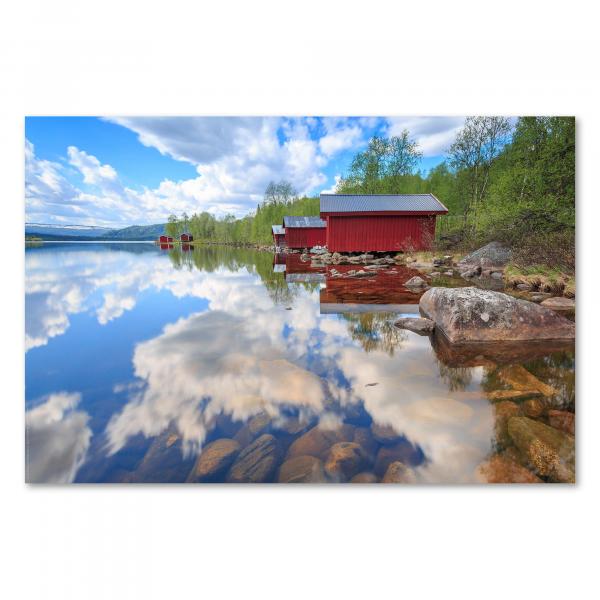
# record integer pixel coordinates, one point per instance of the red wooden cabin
(165, 239)
(278, 236)
(186, 237)
(304, 232)
(380, 222)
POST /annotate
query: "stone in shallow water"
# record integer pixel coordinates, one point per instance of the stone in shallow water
(345, 460)
(256, 463)
(522, 380)
(471, 314)
(500, 395)
(549, 452)
(398, 472)
(385, 434)
(364, 477)
(364, 437)
(533, 408)
(316, 441)
(416, 325)
(415, 281)
(562, 420)
(257, 425)
(402, 451)
(503, 411)
(501, 469)
(302, 469)
(214, 459)
(559, 303)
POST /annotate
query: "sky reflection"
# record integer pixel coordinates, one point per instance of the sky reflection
(216, 338)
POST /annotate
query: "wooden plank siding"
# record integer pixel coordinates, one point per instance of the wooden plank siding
(305, 237)
(379, 233)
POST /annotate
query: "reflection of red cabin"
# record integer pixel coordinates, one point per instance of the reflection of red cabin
(380, 222)
(384, 286)
(304, 232)
(278, 236)
(165, 239)
(186, 237)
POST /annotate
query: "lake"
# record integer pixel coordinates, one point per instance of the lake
(210, 364)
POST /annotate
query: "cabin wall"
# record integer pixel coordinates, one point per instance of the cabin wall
(379, 233)
(305, 237)
(279, 240)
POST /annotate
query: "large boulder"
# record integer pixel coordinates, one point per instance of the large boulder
(471, 314)
(257, 462)
(493, 254)
(548, 451)
(302, 469)
(214, 460)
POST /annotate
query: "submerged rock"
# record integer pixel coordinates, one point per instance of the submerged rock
(522, 380)
(364, 477)
(474, 315)
(533, 408)
(302, 469)
(503, 411)
(385, 434)
(500, 395)
(501, 469)
(416, 325)
(398, 472)
(364, 437)
(550, 452)
(562, 420)
(214, 460)
(402, 451)
(316, 441)
(256, 463)
(345, 460)
(257, 425)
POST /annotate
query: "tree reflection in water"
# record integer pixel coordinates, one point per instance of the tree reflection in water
(375, 331)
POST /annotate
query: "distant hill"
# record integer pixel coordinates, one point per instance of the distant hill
(136, 232)
(78, 231)
(91, 233)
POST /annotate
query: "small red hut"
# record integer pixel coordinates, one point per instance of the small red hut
(278, 236)
(165, 239)
(380, 222)
(304, 232)
(186, 237)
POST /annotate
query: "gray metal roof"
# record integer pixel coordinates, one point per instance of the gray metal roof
(303, 222)
(278, 229)
(332, 203)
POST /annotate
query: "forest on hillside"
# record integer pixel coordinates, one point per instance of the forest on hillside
(509, 181)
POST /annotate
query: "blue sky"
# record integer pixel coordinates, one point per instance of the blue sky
(120, 171)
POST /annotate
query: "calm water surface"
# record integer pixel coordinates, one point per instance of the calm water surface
(138, 358)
